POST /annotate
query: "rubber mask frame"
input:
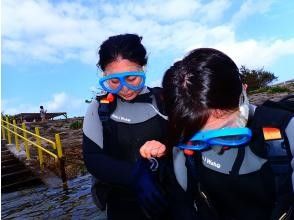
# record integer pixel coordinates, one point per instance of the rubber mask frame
(121, 76)
(204, 140)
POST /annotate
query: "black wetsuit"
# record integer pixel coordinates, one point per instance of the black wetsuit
(240, 184)
(111, 148)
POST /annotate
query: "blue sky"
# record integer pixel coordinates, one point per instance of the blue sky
(49, 48)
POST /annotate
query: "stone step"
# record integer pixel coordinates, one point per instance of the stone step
(21, 184)
(6, 152)
(15, 176)
(9, 162)
(7, 157)
(12, 168)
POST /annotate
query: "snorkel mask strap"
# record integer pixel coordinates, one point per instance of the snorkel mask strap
(243, 108)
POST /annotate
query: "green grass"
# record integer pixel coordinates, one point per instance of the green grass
(278, 89)
(76, 125)
(271, 90)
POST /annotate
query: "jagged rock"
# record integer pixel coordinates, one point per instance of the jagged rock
(52, 130)
(258, 99)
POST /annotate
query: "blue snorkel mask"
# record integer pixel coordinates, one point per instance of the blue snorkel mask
(229, 137)
(113, 83)
(232, 137)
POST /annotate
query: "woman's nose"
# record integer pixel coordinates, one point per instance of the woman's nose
(124, 89)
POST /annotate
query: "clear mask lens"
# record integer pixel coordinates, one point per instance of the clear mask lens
(134, 81)
(112, 84)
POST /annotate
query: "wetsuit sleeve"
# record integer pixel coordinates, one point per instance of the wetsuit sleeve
(100, 165)
(285, 203)
(290, 135)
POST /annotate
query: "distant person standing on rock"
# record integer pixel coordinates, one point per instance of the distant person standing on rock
(116, 125)
(43, 113)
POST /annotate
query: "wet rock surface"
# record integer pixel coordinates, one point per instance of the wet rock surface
(52, 203)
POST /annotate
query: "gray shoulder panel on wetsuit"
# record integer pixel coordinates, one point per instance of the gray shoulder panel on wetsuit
(180, 169)
(125, 112)
(221, 163)
(290, 135)
(92, 126)
(132, 113)
(224, 163)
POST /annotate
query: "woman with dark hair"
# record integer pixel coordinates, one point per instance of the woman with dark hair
(234, 158)
(116, 125)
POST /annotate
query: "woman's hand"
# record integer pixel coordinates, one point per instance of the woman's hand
(152, 149)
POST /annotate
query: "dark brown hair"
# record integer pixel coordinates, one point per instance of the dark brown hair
(205, 79)
(126, 46)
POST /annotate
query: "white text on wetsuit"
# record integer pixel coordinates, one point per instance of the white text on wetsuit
(210, 162)
(121, 118)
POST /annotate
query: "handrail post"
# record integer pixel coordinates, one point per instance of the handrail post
(61, 161)
(62, 172)
(58, 145)
(3, 129)
(15, 136)
(40, 153)
(8, 132)
(23, 125)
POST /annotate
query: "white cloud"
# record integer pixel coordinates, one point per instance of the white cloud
(252, 53)
(63, 102)
(155, 83)
(60, 102)
(43, 31)
(160, 10)
(255, 54)
(57, 32)
(214, 10)
(251, 7)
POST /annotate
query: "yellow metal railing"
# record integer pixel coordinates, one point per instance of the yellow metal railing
(9, 129)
